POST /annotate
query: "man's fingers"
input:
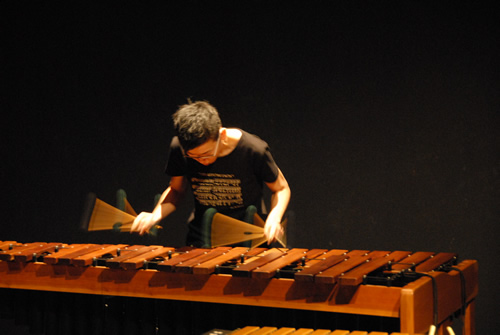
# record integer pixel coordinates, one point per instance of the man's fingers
(137, 223)
(141, 223)
(273, 232)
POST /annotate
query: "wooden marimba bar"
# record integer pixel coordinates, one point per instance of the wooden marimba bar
(418, 288)
(251, 330)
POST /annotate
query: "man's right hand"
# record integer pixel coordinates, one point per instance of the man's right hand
(143, 223)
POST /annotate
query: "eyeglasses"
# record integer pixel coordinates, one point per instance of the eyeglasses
(203, 157)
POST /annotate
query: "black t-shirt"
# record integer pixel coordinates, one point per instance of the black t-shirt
(232, 183)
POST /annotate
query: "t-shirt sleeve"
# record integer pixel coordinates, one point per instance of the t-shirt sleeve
(267, 169)
(176, 163)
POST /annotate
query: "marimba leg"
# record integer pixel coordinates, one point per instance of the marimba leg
(469, 327)
(441, 330)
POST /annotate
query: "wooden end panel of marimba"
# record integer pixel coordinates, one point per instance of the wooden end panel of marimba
(417, 298)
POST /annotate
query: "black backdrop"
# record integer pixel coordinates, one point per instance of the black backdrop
(383, 116)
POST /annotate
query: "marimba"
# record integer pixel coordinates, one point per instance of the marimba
(252, 330)
(417, 288)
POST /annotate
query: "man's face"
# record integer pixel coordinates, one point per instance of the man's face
(205, 153)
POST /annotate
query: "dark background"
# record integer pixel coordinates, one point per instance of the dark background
(383, 116)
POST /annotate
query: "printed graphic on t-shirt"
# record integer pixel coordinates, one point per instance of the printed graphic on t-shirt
(217, 190)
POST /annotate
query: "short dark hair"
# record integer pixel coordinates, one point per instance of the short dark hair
(195, 123)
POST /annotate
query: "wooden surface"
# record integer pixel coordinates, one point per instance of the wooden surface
(252, 330)
(332, 279)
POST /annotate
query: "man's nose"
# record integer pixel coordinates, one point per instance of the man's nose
(204, 161)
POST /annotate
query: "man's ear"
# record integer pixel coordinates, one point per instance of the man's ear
(223, 134)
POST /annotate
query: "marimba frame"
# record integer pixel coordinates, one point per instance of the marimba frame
(411, 304)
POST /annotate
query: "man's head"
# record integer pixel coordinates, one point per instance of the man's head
(196, 123)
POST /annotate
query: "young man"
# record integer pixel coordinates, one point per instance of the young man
(225, 169)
